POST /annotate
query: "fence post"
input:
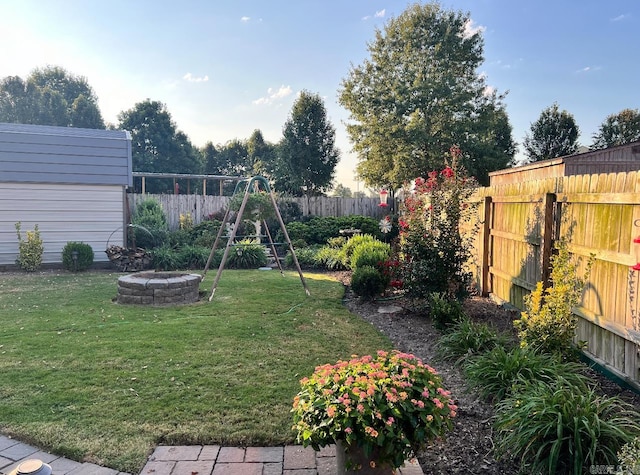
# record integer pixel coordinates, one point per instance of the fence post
(546, 240)
(486, 245)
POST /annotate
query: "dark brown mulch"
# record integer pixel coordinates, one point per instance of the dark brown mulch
(469, 448)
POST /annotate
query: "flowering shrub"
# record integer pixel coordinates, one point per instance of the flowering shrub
(434, 249)
(30, 250)
(392, 403)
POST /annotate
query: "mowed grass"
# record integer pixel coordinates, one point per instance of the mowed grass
(92, 380)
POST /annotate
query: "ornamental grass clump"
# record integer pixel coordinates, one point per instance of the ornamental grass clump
(390, 404)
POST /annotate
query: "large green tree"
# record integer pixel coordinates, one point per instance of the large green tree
(618, 129)
(418, 94)
(554, 134)
(50, 96)
(157, 145)
(307, 151)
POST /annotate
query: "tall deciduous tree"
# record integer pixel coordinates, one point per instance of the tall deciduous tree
(307, 150)
(418, 94)
(554, 134)
(618, 129)
(50, 96)
(157, 145)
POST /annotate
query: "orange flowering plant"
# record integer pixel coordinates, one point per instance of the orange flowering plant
(389, 404)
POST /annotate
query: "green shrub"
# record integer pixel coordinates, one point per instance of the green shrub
(246, 255)
(204, 234)
(149, 224)
(192, 257)
(444, 311)
(548, 324)
(346, 251)
(30, 250)
(318, 230)
(84, 256)
(367, 282)
(330, 258)
(306, 258)
(258, 207)
(629, 458)
(560, 429)
(373, 253)
(467, 338)
(498, 372)
(165, 258)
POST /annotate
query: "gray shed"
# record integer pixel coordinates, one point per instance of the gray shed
(71, 182)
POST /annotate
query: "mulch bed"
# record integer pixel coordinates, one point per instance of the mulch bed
(469, 448)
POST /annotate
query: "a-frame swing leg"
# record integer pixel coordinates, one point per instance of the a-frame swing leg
(273, 247)
(215, 243)
(230, 241)
(286, 236)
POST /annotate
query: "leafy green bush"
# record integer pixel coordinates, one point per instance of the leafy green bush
(30, 250)
(559, 429)
(444, 311)
(548, 324)
(306, 258)
(192, 257)
(204, 234)
(318, 230)
(84, 254)
(165, 258)
(467, 338)
(258, 207)
(498, 372)
(367, 282)
(330, 258)
(149, 224)
(246, 255)
(373, 253)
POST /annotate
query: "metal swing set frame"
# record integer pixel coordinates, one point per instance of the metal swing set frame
(254, 184)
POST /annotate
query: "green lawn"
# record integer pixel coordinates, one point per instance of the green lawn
(92, 380)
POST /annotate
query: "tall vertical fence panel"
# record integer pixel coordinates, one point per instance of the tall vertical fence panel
(598, 215)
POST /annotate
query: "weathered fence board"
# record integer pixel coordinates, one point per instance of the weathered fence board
(599, 215)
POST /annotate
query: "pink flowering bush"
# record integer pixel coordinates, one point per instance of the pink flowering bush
(390, 404)
(434, 250)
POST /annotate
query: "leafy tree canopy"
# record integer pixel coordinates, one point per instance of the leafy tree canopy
(157, 146)
(554, 134)
(618, 129)
(308, 153)
(50, 96)
(418, 94)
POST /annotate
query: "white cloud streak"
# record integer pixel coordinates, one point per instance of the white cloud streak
(274, 95)
(191, 78)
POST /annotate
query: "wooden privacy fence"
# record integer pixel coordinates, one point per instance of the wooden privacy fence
(595, 214)
(200, 207)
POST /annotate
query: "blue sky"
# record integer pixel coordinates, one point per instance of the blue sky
(226, 68)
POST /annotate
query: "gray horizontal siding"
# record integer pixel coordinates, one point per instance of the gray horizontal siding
(63, 212)
(43, 154)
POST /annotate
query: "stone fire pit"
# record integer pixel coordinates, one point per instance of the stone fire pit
(158, 288)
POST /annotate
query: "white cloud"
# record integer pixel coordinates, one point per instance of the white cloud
(470, 29)
(378, 14)
(274, 95)
(190, 78)
(588, 69)
(620, 17)
(245, 19)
